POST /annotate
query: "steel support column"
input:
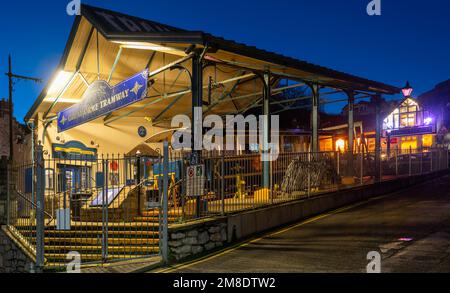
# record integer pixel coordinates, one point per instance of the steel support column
(315, 118)
(197, 119)
(351, 103)
(377, 101)
(165, 207)
(266, 130)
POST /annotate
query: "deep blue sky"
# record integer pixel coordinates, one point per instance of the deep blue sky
(411, 40)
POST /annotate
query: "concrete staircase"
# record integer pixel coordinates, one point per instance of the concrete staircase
(125, 241)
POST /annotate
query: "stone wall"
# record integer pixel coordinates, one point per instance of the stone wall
(12, 258)
(3, 189)
(194, 239)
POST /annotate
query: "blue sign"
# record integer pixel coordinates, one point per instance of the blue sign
(100, 99)
(73, 150)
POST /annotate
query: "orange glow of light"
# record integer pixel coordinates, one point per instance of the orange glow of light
(340, 145)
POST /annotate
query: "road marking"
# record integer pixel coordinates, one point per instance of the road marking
(248, 242)
(396, 245)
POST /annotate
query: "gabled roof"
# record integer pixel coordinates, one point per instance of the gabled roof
(114, 25)
(117, 27)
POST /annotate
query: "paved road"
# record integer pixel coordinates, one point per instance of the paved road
(410, 229)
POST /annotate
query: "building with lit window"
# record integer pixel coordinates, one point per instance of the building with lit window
(410, 126)
(406, 125)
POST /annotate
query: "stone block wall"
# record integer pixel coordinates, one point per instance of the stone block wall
(3, 189)
(12, 258)
(196, 239)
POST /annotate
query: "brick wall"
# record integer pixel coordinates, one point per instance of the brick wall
(20, 131)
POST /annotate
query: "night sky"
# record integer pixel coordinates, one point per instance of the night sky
(411, 40)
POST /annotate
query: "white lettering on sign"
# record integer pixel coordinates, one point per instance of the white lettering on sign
(195, 185)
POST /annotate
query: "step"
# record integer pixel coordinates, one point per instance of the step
(97, 249)
(143, 226)
(81, 233)
(155, 213)
(130, 242)
(155, 219)
(76, 224)
(61, 258)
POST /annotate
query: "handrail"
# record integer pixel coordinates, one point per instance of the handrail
(31, 202)
(171, 187)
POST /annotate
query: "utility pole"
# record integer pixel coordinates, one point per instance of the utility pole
(12, 76)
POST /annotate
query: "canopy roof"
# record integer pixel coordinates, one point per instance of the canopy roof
(113, 46)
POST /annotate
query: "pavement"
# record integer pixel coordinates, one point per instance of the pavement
(409, 229)
(128, 266)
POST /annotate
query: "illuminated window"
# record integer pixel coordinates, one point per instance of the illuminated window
(406, 115)
(427, 140)
(409, 142)
(49, 179)
(408, 120)
(326, 144)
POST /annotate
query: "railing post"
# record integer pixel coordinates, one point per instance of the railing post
(138, 181)
(361, 166)
(447, 160)
(410, 157)
(105, 212)
(438, 160)
(40, 177)
(396, 162)
(165, 239)
(222, 183)
(431, 161)
(380, 171)
(377, 100)
(421, 161)
(338, 162)
(183, 187)
(309, 174)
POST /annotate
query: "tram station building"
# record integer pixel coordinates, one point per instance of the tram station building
(121, 79)
(101, 120)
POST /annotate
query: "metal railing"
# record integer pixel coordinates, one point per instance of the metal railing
(110, 208)
(95, 207)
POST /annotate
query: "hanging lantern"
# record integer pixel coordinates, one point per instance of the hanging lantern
(407, 90)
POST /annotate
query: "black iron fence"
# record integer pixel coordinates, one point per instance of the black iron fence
(103, 209)
(112, 207)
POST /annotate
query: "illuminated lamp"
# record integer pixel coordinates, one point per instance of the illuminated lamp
(428, 120)
(407, 90)
(60, 81)
(340, 145)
